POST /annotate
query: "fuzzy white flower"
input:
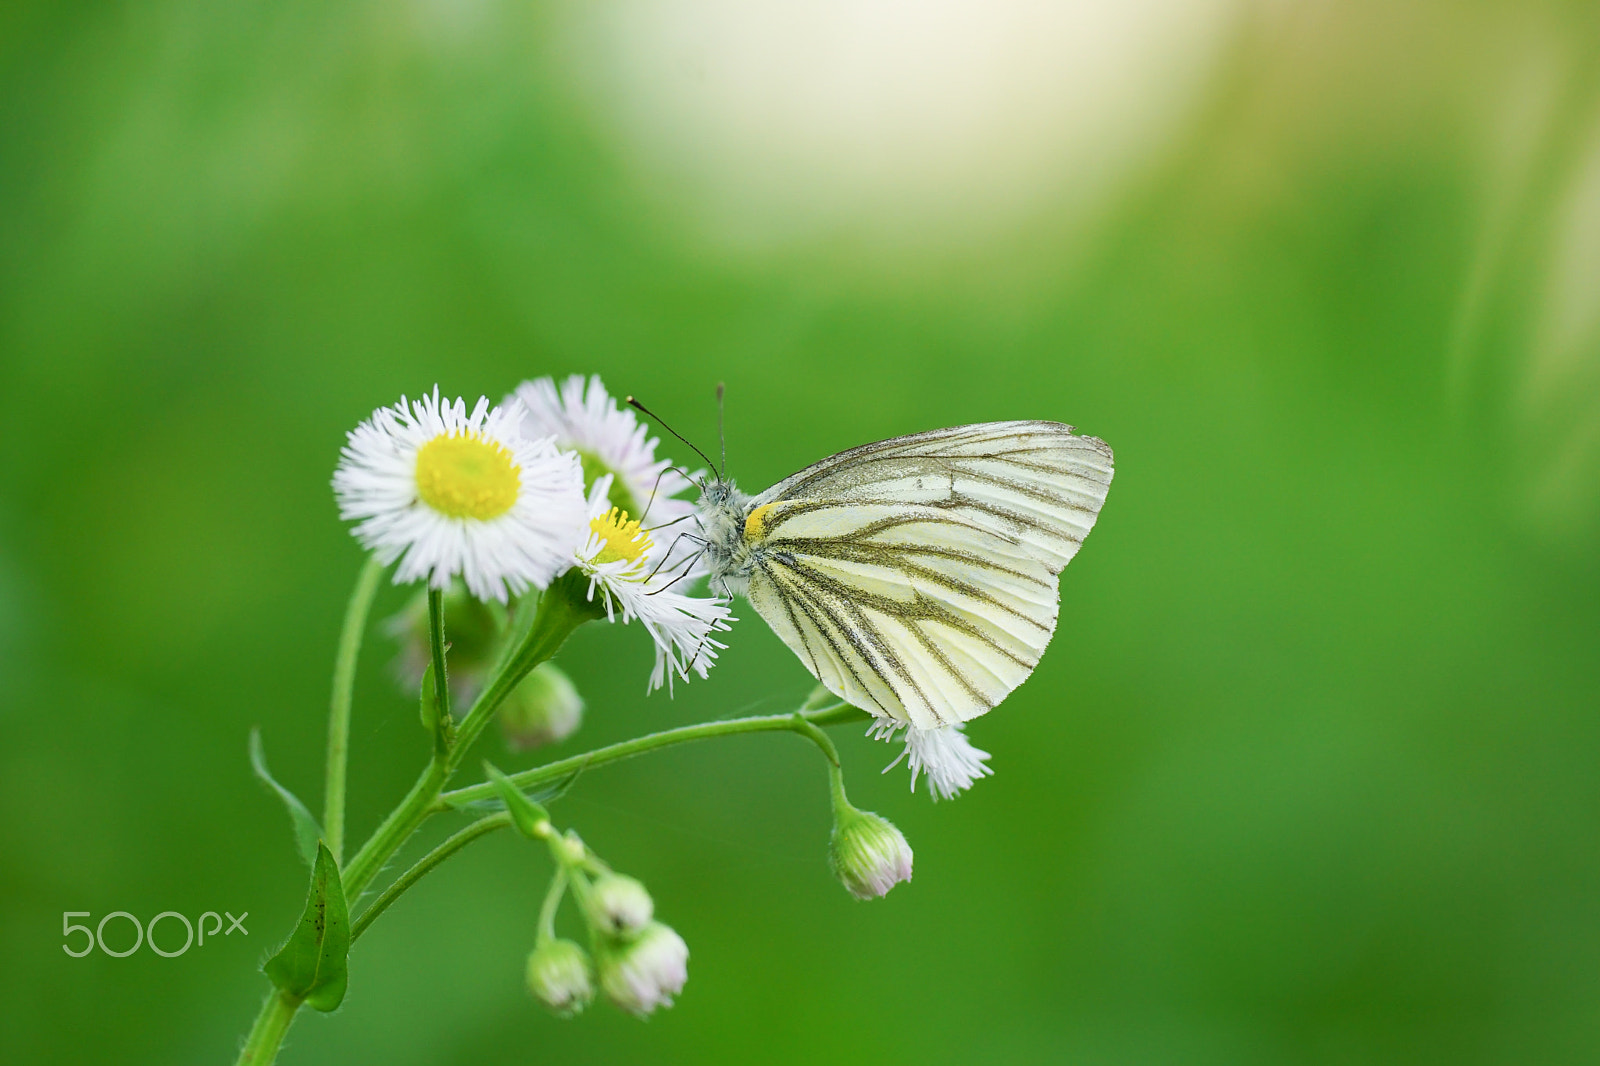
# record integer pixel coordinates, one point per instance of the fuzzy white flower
(646, 972)
(608, 439)
(634, 575)
(944, 753)
(447, 492)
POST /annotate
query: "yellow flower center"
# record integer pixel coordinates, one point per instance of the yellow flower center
(623, 539)
(465, 476)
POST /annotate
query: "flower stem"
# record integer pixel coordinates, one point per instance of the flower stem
(561, 609)
(804, 723)
(344, 675)
(552, 900)
(482, 827)
(441, 679)
(261, 1046)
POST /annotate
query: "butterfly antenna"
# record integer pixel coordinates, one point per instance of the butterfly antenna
(722, 474)
(631, 402)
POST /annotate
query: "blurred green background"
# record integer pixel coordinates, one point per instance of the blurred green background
(1309, 772)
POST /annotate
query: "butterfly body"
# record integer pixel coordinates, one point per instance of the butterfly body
(915, 577)
(730, 556)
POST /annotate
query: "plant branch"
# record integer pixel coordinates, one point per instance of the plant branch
(561, 609)
(482, 827)
(441, 681)
(804, 723)
(261, 1046)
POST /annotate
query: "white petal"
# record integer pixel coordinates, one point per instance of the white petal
(582, 416)
(944, 753)
(375, 484)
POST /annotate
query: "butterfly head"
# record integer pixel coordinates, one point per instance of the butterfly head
(720, 514)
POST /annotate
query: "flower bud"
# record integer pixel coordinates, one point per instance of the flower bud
(558, 974)
(623, 904)
(543, 709)
(646, 972)
(870, 856)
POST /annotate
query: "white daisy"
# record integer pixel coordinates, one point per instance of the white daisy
(446, 492)
(943, 753)
(635, 575)
(584, 418)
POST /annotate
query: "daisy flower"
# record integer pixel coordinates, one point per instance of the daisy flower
(944, 753)
(446, 492)
(634, 576)
(583, 418)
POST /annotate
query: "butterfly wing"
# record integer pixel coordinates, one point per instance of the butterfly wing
(916, 577)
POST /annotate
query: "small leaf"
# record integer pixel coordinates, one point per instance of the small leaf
(313, 963)
(556, 789)
(530, 819)
(307, 832)
(553, 791)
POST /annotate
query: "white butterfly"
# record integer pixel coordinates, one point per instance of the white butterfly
(916, 577)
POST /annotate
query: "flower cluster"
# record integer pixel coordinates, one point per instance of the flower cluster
(506, 499)
(642, 962)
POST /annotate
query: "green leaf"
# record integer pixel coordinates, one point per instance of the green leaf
(531, 820)
(307, 832)
(313, 963)
(552, 791)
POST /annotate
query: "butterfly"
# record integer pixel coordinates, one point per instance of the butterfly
(916, 578)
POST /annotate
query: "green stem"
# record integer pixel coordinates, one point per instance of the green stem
(261, 1046)
(552, 900)
(804, 723)
(482, 827)
(344, 675)
(808, 729)
(441, 678)
(562, 608)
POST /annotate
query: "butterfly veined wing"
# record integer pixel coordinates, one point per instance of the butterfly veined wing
(916, 577)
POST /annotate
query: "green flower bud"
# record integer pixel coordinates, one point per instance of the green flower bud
(558, 974)
(543, 709)
(622, 903)
(870, 856)
(647, 971)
